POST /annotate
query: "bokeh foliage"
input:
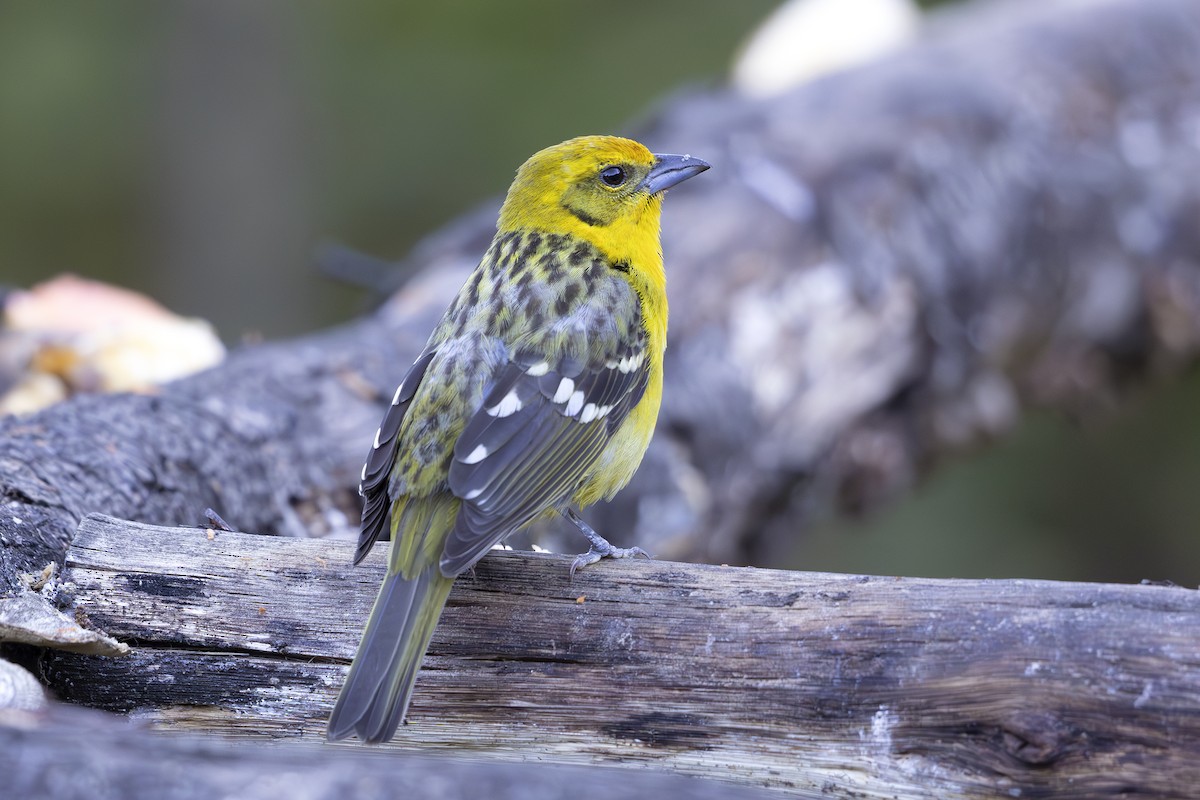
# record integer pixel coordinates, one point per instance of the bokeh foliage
(133, 129)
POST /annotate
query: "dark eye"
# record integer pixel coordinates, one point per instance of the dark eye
(613, 176)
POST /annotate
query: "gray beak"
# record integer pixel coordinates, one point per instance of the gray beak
(669, 170)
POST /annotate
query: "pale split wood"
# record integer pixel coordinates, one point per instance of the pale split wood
(881, 686)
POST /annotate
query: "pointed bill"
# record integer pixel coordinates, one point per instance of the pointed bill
(670, 169)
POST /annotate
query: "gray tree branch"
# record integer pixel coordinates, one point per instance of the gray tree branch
(875, 687)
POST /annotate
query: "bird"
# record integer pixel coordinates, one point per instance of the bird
(536, 395)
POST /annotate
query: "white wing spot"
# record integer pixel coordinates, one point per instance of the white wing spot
(589, 413)
(511, 404)
(471, 495)
(378, 431)
(396, 397)
(602, 412)
(539, 369)
(475, 456)
(630, 363)
(363, 476)
(565, 387)
(574, 404)
(611, 364)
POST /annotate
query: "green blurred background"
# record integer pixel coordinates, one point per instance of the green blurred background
(199, 150)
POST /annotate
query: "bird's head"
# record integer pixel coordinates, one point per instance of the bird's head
(604, 189)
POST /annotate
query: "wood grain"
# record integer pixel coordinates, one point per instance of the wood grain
(878, 686)
(74, 754)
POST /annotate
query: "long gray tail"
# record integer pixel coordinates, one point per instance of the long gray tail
(375, 696)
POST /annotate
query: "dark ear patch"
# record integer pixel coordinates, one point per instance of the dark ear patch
(583, 216)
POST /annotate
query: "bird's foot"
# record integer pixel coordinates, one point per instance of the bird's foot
(600, 547)
(594, 554)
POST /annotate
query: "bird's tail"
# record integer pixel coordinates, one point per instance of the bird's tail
(377, 690)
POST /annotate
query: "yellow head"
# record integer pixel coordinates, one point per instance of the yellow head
(604, 189)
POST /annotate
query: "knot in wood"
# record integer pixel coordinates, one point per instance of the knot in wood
(1036, 738)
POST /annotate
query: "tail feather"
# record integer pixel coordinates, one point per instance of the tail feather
(377, 690)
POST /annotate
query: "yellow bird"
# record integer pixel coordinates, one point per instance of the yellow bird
(536, 394)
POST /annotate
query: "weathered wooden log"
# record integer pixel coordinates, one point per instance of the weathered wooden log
(74, 754)
(871, 686)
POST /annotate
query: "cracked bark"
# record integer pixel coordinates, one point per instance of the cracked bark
(856, 685)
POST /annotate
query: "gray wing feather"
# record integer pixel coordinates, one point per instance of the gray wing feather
(377, 502)
(530, 455)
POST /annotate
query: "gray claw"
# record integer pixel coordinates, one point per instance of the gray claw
(600, 546)
(593, 555)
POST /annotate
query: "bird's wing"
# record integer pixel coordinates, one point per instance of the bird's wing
(377, 500)
(541, 426)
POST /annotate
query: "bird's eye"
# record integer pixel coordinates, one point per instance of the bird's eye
(613, 176)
